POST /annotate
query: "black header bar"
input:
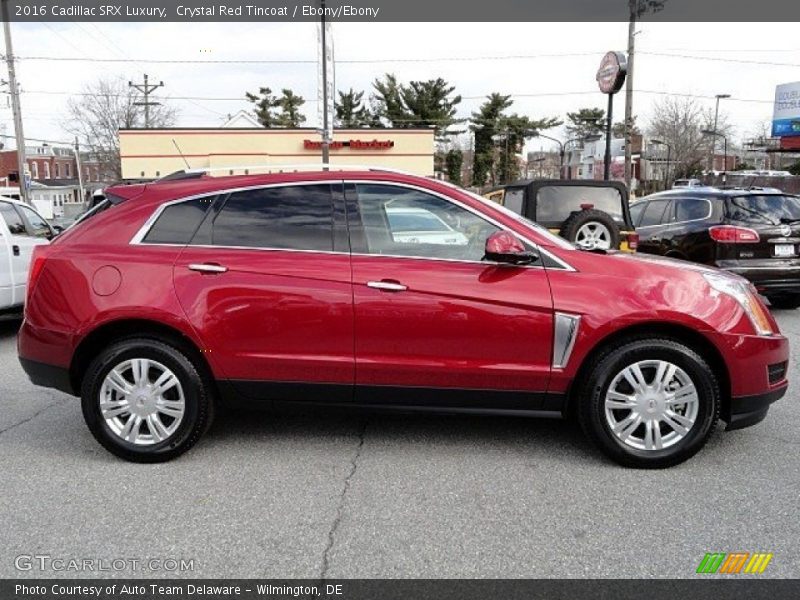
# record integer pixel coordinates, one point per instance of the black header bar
(711, 11)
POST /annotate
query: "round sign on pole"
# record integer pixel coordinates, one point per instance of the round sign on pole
(612, 72)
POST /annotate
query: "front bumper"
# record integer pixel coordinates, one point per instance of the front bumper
(748, 410)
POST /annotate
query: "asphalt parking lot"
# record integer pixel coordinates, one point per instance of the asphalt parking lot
(351, 495)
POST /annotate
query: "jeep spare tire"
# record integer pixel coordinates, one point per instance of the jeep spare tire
(591, 230)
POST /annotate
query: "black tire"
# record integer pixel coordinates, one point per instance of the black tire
(573, 224)
(601, 373)
(197, 391)
(784, 302)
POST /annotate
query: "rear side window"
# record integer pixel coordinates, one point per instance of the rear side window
(654, 213)
(290, 217)
(554, 204)
(692, 209)
(13, 220)
(764, 209)
(177, 222)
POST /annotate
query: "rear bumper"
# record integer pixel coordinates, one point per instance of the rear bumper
(745, 411)
(45, 375)
(768, 277)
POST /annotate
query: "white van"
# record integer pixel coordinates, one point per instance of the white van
(21, 228)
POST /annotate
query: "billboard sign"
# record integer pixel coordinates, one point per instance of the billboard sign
(786, 118)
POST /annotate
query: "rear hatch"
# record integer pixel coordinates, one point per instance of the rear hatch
(763, 229)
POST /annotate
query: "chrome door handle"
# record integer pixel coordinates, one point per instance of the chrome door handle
(387, 286)
(207, 268)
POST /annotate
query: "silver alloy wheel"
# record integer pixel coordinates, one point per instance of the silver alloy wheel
(142, 401)
(651, 405)
(593, 236)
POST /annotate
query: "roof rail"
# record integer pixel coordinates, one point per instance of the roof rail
(295, 167)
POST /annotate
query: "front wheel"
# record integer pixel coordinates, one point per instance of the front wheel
(650, 403)
(145, 401)
(787, 302)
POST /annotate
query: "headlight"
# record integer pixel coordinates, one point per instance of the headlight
(746, 298)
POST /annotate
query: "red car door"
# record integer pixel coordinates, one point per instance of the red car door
(266, 283)
(434, 325)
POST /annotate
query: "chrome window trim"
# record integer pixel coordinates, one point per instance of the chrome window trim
(565, 332)
(140, 234)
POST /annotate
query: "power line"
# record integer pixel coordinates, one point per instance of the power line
(403, 60)
(478, 97)
(201, 61)
(723, 59)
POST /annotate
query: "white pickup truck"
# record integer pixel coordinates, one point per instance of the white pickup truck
(21, 228)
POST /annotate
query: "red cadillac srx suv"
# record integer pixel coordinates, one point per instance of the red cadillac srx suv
(378, 289)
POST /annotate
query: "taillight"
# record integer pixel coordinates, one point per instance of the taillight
(730, 234)
(633, 241)
(37, 265)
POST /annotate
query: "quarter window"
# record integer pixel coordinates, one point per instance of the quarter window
(178, 222)
(400, 221)
(291, 217)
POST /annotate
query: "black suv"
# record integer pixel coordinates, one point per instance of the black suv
(754, 232)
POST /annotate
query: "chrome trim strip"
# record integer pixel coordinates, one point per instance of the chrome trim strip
(564, 336)
(145, 228)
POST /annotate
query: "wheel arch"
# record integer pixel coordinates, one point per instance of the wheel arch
(100, 337)
(672, 331)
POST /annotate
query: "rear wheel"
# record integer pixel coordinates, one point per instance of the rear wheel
(145, 401)
(790, 301)
(650, 403)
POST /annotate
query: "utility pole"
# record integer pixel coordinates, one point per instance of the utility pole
(634, 9)
(146, 89)
(15, 105)
(325, 83)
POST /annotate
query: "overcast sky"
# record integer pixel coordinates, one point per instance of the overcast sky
(559, 79)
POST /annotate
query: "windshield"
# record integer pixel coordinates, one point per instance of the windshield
(550, 237)
(772, 209)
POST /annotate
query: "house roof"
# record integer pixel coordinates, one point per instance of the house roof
(242, 119)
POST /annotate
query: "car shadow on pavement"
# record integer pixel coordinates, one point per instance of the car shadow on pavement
(9, 325)
(390, 429)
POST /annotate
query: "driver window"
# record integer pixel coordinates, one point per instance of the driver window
(405, 222)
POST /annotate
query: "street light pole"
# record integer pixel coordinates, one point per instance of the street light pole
(716, 121)
(717, 134)
(669, 159)
(561, 150)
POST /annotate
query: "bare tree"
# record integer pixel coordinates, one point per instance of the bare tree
(104, 107)
(680, 122)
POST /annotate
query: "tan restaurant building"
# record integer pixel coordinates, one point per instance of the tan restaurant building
(153, 153)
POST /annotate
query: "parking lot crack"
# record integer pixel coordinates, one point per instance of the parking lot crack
(342, 499)
(34, 415)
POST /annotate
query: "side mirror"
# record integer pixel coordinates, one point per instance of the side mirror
(505, 247)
